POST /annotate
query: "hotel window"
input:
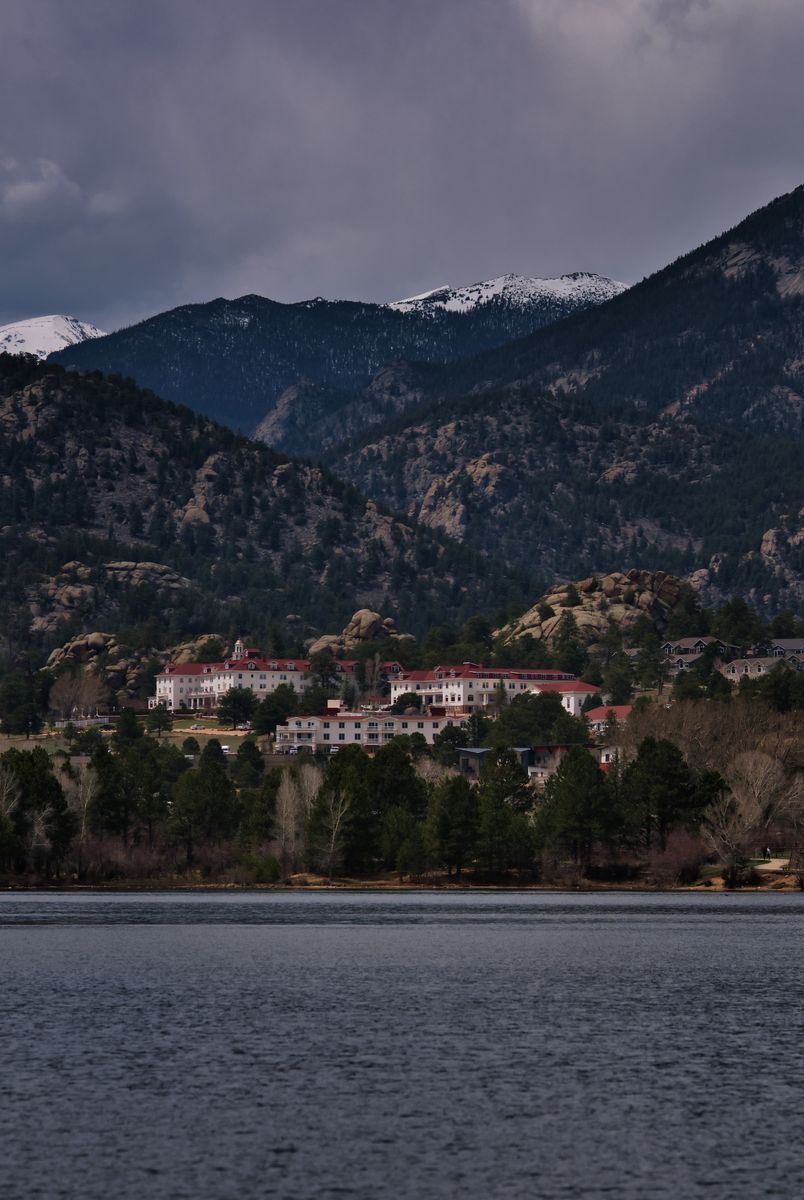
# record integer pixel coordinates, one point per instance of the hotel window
(420, 724)
(326, 737)
(341, 737)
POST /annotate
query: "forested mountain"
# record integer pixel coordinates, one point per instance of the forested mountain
(232, 359)
(662, 428)
(121, 511)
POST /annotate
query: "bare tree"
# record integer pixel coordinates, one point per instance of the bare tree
(9, 793)
(374, 676)
(77, 693)
(80, 788)
(92, 694)
(63, 697)
(295, 797)
(756, 788)
(432, 772)
(332, 811)
(309, 780)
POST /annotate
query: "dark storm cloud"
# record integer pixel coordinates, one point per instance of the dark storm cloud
(152, 153)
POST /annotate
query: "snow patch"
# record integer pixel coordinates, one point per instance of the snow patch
(43, 335)
(580, 288)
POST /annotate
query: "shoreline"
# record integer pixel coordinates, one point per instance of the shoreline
(786, 883)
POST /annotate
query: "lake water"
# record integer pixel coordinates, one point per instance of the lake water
(212, 1045)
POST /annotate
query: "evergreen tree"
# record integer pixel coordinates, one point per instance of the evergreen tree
(452, 822)
(577, 811)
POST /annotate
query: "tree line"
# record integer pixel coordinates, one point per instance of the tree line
(689, 787)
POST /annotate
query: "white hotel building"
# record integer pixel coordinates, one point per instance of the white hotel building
(200, 686)
(471, 687)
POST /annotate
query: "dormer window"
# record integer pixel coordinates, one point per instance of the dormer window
(252, 666)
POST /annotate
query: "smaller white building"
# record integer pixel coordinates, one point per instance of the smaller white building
(336, 729)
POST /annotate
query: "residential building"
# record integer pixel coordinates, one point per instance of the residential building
(696, 646)
(754, 668)
(599, 717)
(787, 648)
(540, 762)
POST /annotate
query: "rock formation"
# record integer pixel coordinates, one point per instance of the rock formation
(365, 626)
(79, 589)
(125, 673)
(619, 597)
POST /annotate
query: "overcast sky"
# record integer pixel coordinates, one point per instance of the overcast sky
(155, 152)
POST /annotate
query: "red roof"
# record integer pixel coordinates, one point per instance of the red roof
(392, 718)
(238, 664)
(620, 712)
(441, 675)
(568, 685)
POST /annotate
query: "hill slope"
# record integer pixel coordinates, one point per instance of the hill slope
(118, 509)
(232, 359)
(663, 427)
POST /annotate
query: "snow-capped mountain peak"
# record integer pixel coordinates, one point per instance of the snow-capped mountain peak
(42, 335)
(578, 289)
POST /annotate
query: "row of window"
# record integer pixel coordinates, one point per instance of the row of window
(371, 724)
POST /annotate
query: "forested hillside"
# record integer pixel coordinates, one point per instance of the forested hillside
(232, 359)
(662, 428)
(118, 510)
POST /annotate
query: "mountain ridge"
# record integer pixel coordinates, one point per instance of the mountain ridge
(664, 426)
(232, 359)
(120, 510)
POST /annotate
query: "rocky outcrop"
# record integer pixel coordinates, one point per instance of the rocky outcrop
(365, 626)
(79, 590)
(779, 554)
(619, 597)
(124, 672)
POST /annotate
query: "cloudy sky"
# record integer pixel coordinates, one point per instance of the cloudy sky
(155, 152)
